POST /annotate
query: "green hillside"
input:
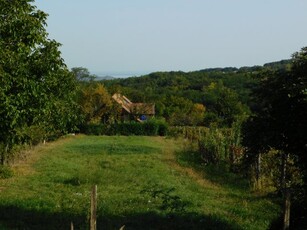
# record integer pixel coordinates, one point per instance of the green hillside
(225, 92)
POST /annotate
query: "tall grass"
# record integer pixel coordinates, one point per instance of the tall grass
(140, 185)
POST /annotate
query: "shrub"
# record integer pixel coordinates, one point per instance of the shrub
(212, 146)
(32, 135)
(5, 172)
(152, 127)
(193, 133)
(167, 199)
(94, 129)
(156, 127)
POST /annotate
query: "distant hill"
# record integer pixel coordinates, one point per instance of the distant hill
(102, 78)
(175, 92)
(155, 86)
(283, 64)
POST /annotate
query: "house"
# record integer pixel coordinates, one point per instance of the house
(134, 111)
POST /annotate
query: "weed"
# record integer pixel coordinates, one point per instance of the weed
(167, 197)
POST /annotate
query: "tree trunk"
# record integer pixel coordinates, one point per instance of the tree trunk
(2, 158)
(283, 172)
(71, 226)
(258, 171)
(286, 193)
(4, 154)
(93, 220)
(286, 211)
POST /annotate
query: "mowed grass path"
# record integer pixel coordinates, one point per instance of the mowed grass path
(140, 185)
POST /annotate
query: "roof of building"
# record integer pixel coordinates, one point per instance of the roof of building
(142, 108)
(134, 108)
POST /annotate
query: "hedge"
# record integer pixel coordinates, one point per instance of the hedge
(148, 128)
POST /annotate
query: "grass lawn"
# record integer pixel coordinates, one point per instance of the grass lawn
(140, 185)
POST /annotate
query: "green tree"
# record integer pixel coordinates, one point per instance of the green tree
(224, 106)
(197, 114)
(82, 74)
(177, 110)
(36, 88)
(96, 103)
(280, 119)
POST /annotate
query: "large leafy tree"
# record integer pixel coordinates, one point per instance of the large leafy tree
(36, 88)
(96, 103)
(279, 121)
(224, 106)
(82, 74)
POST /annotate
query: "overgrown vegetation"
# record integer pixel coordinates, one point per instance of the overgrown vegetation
(5, 172)
(152, 127)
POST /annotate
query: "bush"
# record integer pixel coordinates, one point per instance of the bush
(32, 135)
(163, 129)
(212, 146)
(193, 133)
(156, 127)
(5, 172)
(222, 144)
(94, 129)
(152, 127)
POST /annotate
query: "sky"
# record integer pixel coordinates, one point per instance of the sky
(143, 36)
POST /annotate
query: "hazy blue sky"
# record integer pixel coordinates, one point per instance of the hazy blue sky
(161, 35)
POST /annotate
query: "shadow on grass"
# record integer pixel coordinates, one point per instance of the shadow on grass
(12, 217)
(219, 173)
(114, 149)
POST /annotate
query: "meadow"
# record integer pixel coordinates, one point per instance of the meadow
(143, 183)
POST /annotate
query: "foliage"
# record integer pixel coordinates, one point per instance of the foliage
(213, 147)
(279, 121)
(96, 103)
(224, 105)
(271, 171)
(221, 145)
(181, 111)
(36, 89)
(177, 94)
(169, 201)
(94, 129)
(5, 172)
(191, 133)
(151, 127)
(82, 74)
(188, 99)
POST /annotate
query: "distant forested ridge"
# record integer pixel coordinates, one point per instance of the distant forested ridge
(232, 77)
(175, 92)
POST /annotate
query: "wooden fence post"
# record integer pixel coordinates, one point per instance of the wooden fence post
(93, 220)
(286, 192)
(286, 212)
